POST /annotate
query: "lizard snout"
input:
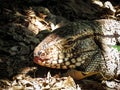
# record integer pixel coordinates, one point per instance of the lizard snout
(40, 57)
(43, 55)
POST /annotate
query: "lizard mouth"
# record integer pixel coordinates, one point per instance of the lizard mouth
(43, 62)
(46, 63)
(38, 60)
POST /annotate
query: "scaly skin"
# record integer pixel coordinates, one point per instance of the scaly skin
(87, 45)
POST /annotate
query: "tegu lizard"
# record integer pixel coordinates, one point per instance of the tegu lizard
(87, 45)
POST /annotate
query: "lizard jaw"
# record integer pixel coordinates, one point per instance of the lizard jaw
(42, 62)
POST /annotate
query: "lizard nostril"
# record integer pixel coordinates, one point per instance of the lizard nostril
(39, 52)
(42, 55)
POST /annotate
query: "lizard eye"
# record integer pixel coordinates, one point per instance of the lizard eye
(70, 42)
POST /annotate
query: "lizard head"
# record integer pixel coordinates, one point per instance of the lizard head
(56, 52)
(66, 48)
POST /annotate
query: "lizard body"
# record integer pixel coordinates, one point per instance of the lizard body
(87, 45)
